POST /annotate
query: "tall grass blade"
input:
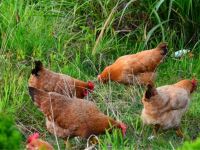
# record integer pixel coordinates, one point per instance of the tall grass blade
(108, 20)
(151, 32)
(123, 12)
(170, 9)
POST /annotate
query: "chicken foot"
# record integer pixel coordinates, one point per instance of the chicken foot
(93, 140)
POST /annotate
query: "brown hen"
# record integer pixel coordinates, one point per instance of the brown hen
(50, 81)
(137, 68)
(70, 117)
(164, 106)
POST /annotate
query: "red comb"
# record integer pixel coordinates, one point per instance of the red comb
(194, 81)
(33, 137)
(91, 85)
(194, 84)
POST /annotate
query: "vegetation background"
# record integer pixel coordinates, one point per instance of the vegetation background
(81, 37)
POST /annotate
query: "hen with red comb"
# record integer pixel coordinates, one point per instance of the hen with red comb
(50, 81)
(72, 116)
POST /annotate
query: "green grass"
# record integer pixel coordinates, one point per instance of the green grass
(62, 34)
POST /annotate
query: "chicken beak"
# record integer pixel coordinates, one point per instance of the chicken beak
(123, 129)
(99, 77)
(124, 133)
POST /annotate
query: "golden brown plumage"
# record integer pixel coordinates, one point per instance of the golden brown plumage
(34, 143)
(164, 106)
(50, 81)
(72, 116)
(136, 68)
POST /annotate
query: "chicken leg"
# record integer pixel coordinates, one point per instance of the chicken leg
(68, 145)
(179, 133)
(155, 129)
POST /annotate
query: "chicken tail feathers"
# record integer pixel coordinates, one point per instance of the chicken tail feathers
(150, 92)
(38, 67)
(163, 46)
